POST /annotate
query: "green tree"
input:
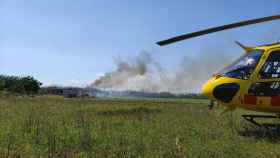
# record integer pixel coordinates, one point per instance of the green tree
(30, 85)
(20, 85)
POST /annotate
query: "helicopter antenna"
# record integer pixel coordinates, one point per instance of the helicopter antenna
(246, 48)
(217, 29)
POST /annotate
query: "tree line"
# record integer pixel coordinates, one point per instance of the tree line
(19, 85)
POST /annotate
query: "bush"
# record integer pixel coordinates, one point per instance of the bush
(20, 85)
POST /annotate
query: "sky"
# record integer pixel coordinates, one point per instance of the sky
(73, 42)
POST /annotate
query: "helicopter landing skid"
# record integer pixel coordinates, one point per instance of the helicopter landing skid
(251, 119)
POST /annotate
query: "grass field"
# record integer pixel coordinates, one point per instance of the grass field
(107, 128)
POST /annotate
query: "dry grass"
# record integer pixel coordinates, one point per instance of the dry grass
(70, 128)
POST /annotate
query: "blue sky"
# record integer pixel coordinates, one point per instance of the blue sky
(74, 41)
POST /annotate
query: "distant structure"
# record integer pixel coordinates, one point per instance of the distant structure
(67, 92)
(52, 90)
(74, 92)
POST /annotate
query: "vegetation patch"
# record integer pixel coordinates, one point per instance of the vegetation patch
(54, 127)
(128, 112)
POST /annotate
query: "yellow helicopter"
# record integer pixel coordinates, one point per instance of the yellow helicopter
(251, 82)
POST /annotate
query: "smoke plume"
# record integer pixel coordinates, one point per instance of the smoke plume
(143, 73)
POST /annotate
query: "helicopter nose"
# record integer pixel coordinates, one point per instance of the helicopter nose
(220, 91)
(207, 90)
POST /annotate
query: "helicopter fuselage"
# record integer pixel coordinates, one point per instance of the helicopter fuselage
(252, 82)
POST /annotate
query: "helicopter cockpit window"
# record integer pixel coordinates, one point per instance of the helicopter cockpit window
(271, 68)
(244, 66)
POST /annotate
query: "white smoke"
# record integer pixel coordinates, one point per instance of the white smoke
(143, 73)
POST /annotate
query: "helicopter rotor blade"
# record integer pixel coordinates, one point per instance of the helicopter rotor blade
(217, 29)
(246, 48)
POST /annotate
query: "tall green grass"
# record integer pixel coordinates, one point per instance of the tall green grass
(107, 128)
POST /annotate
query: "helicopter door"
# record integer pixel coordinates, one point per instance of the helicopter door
(265, 91)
